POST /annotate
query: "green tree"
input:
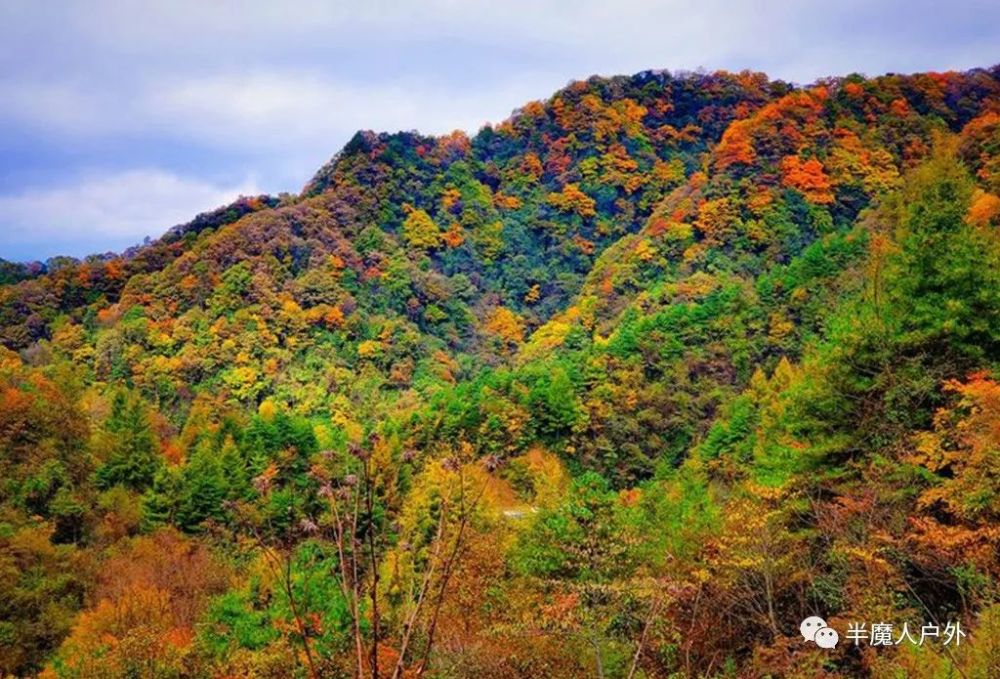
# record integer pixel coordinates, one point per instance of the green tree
(581, 540)
(944, 284)
(129, 445)
(159, 503)
(203, 489)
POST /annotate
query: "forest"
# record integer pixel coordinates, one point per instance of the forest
(624, 386)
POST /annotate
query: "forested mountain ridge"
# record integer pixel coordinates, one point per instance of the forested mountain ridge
(659, 352)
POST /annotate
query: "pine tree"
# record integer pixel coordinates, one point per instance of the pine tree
(132, 458)
(159, 504)
(204, 489)
(944, 283)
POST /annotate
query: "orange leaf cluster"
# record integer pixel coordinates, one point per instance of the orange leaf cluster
(808, 177)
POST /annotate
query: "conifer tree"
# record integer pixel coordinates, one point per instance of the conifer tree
(131, 447)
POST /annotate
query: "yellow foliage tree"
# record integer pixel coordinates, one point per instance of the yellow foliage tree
(420, 231)
(506, 325)
(572, 200)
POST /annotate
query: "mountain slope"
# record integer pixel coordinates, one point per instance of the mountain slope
(657, 352)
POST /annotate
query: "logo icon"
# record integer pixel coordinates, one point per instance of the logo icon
(815, 629)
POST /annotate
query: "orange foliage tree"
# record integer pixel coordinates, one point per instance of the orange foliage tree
(808, 177)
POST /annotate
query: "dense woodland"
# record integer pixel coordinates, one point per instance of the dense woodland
(624, 386)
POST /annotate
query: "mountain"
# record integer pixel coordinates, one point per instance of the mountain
(626, 385)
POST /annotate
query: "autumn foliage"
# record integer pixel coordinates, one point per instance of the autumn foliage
(625, 385)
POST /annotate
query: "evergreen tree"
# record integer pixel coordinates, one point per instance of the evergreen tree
(131, 459)
(160, 502)
(944, 283)
(203, 489)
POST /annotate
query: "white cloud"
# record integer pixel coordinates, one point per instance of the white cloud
(278, 109)
(284, 113)
(287, 121)
(118, 209)
(264, 88)
(253, 76)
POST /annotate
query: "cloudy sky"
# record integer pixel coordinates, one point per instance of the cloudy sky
(119, 119)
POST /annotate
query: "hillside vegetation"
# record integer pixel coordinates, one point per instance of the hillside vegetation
(624, 386)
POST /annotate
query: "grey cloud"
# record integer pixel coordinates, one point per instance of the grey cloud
(273, 89)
